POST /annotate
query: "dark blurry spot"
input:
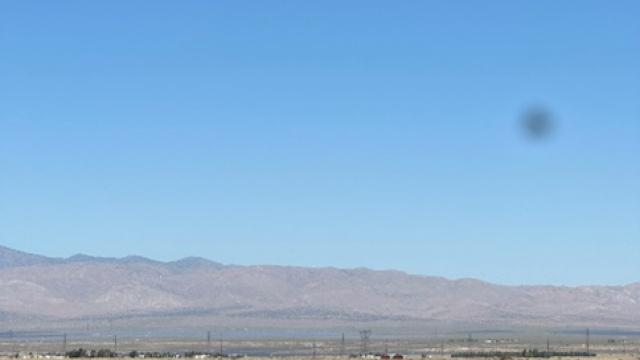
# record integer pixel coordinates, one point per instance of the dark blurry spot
(537, 123)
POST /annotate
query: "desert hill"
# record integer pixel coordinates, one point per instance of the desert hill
(35, 287)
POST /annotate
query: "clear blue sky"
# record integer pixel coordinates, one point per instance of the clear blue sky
(330, 133)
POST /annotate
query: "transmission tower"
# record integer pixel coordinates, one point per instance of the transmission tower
(364, 340)
(314, 349)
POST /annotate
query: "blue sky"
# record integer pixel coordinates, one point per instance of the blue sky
(347, 134)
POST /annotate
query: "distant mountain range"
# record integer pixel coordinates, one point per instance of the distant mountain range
(193, 291)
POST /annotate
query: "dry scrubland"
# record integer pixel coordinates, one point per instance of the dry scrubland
(329, 349)
(409, 357)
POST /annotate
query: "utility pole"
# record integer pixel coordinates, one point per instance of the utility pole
(442, 349)
(342, 346)
(547, 346)
(386, 346)
(314, 349)
(220, 344)
(587, 341)
(208, 342)
(64, 344)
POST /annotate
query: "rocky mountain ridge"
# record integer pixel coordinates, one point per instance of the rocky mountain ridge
(194, 289)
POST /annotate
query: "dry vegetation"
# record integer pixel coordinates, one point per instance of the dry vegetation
(327, 348)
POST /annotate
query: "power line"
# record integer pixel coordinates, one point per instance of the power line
(314, 349)
(364, 340)
(587, 340)
(547, 345)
